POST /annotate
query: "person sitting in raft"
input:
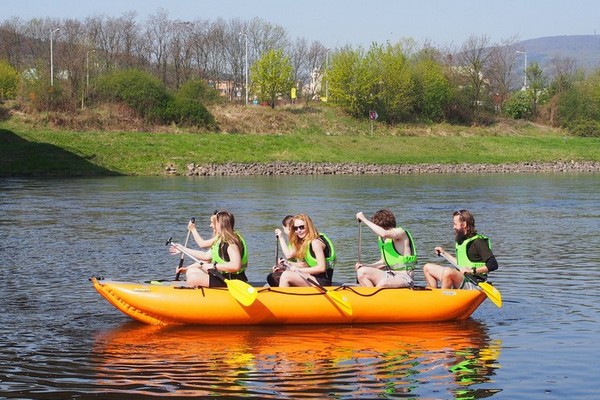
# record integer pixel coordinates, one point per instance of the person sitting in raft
(273, 277)
(314, 254)
(286, 226)
(228, 255)
(396, 267)
(473, 256)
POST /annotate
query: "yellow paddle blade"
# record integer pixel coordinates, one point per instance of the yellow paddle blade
(341, 301)
(492, 293)
(241, 291)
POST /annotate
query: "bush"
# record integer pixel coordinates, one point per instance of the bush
(584, 128)
(139, 90)
(199, 91)
(187, 112)
(519, 106)
(9, 81)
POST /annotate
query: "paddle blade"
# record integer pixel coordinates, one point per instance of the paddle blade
(492, 293)
(241, 291)
(342, 301)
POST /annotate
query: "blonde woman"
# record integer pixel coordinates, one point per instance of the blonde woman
(314, 254)
(228, 255)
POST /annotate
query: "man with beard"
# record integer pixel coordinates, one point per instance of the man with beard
(473, 256)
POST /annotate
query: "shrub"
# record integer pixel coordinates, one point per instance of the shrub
(9, 81)
(139, 90)
(584, 128)
(188, 112)
(519, 106)
(199, 91)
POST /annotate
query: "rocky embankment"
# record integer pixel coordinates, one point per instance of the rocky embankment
(302, 168)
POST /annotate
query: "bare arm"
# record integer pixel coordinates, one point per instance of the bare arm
(282, 243)
(202, 243)
(235, 260)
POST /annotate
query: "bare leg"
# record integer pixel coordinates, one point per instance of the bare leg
(433, 274)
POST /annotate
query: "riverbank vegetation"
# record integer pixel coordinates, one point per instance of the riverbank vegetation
(286, 134)
(198, 91)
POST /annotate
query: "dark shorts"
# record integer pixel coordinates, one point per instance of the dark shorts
(324, 278)
(215, 281)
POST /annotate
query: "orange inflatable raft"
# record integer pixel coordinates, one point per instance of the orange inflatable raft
(167, 303)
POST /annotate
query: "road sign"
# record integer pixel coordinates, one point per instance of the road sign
(373, 115)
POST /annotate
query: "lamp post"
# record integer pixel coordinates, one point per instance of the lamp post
(87, 77)
(87, 68)
(525, 70)
(326, 79)
(246, 65)
(52, 57)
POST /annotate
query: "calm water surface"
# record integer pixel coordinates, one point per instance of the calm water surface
(59, 339)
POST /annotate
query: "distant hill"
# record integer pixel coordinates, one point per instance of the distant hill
(584, 49)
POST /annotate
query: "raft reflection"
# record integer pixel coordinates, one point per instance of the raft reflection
(456, 359)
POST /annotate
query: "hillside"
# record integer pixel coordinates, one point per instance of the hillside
(584, 49)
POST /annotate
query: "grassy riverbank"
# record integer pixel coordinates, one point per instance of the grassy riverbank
(277, 135)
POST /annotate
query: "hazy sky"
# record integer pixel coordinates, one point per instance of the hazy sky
(357, 22)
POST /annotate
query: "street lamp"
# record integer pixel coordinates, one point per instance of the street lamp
(52, 58)
(87, 76)
(87, 68)
(525, 79)
(326, 79)
(246, 64)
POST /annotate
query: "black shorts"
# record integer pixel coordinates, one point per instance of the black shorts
(215, 281)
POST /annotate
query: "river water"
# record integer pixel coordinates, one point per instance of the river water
(59, 339)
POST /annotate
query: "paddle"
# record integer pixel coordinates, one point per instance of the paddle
(359, 241)
(490, 291)
(342, 301)
(192, 220)
(240, 290)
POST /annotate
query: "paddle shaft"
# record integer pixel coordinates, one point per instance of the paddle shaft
(276, 249)
(192, 220)
(359, 240)
(490, 291)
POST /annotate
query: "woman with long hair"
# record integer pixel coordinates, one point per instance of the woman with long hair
(313, 252)
(228, 255)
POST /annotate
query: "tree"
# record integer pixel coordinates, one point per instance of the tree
(433, 88)
(473, 62)
(9, 81)
(272, 76)
(536, 84)
(501, 71)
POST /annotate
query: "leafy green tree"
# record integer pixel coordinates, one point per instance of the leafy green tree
(9, 81)
(579, 107)
(348, 81)
(536, 84)
(393, 83)
(272, 76)
(433, 88)
(380, 79)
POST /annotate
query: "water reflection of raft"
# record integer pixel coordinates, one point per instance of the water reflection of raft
(170, 303)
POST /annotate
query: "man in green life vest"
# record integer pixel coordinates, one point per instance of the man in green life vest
(473, 256)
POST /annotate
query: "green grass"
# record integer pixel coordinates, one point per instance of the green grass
(28, 151)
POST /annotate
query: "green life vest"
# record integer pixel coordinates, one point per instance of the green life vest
(461, 252)
(217, 257)
(310, 258)
(395, 260)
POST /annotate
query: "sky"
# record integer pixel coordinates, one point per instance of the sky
(336, 23)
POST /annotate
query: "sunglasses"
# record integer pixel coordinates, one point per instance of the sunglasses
(299, 228)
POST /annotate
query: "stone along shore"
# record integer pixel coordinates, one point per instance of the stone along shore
(304, 168)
